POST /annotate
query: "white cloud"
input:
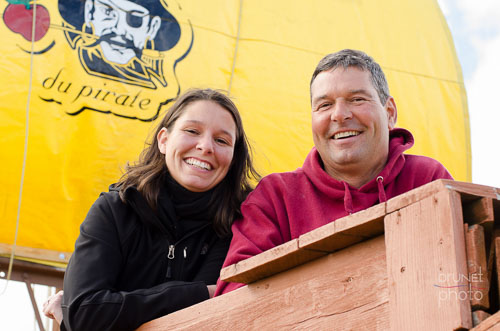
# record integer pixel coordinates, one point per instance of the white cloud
(484, 112)
(476, 31)
(480, 16)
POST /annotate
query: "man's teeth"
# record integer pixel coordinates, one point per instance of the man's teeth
(345, 134)
(199, 164)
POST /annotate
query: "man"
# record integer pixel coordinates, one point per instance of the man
(357, 161)
(121, 39)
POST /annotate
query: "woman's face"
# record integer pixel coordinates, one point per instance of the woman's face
(199, 147)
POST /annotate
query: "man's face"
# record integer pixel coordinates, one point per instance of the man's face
(350, 125)
(123, 27)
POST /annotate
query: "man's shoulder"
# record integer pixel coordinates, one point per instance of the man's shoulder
(282, 178)
(424, 167)
(422, 162)
(278, 183)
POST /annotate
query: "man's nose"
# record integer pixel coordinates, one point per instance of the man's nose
(205, 144)
(120, 22)
(341, 111)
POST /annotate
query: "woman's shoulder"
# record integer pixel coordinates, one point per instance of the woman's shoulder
(109, 203)
(110, 214)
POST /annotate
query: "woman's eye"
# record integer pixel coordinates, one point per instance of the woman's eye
(192, 131)
(222, 141)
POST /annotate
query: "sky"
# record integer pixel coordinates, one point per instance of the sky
(475, 27)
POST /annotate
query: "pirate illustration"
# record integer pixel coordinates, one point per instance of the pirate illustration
(121, 40)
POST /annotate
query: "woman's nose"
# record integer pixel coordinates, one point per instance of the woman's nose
(205, 144)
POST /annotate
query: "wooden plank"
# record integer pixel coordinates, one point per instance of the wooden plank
(492, 263)
(490, 324)
(497, 263)
(479, 316)
(38, 273)
(339, 234)
(268, 263)
(478, 211)
(468, 191)
(345, 290)
(415, 195)
(477, 266)
(425, 254)
(496, 207)
(36, 253)
(345, 231)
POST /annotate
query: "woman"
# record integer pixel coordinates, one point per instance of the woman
(156, 241)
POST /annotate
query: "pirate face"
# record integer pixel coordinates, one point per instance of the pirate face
(123, 27)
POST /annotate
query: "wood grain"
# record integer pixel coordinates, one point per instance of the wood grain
(468, 192)
(477, 266)
(345, 231)
(346, 290)
(36, 253)
(268, 263)
(415, 195)
(490, 324)
(479, 316)
(478, 211)
(38, 273)
(331, 237)
(425, 250)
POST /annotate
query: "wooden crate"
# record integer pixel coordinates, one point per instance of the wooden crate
(425, 260)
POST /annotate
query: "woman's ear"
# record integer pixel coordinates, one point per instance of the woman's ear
(162, 140)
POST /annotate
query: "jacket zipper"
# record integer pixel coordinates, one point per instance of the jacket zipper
(170, 257)
(171, 250)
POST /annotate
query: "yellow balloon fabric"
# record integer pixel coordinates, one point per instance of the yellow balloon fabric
(96, 97)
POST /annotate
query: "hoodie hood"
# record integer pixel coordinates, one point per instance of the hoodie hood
(355, 199)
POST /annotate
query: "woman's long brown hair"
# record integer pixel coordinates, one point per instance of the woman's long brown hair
(148, 174)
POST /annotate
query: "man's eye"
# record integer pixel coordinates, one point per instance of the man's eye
(107, 10)
(324, 105)
(358, 99)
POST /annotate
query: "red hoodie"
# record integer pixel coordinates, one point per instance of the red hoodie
(286, 205)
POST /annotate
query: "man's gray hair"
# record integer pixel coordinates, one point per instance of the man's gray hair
(352, 58)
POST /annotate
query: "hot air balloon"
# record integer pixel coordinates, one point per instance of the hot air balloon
(82, 100)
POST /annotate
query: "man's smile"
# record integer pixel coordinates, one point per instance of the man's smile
(345, 134)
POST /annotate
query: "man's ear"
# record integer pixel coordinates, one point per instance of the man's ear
(392, 112)
(89, 5)
(154, 26)
(162, 140)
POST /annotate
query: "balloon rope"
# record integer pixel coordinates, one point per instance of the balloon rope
(12, 253)
(235, 49)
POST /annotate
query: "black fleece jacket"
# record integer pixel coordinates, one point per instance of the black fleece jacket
(131, 266)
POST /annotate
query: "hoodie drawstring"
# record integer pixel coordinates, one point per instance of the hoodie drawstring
(347, 199)
(381, 191)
